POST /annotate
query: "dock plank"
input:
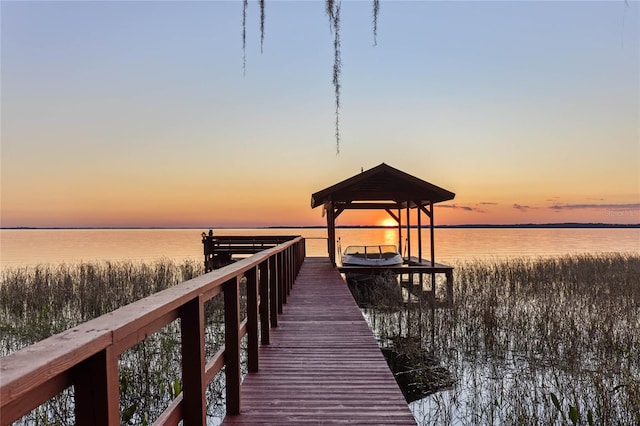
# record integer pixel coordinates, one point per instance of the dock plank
(323, 364)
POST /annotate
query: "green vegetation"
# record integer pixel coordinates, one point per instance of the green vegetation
(528, 341)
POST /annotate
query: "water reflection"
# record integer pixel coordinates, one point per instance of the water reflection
(55, 246)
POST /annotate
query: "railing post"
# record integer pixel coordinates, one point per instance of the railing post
(285, 275)
(290, 270)
(97, 389)
(273, 290)
(264, 302)
(193, 361)
(252, 318)
(232, 343)
(300, 254)
(294, 265)
(282, 276)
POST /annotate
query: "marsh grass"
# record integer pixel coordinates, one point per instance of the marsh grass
(528, 341)
(37, 302)
(522, 330)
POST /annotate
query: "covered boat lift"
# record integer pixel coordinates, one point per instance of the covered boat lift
(382, 188)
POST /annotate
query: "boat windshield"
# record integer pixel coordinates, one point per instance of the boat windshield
(371, 251)
(388, 249)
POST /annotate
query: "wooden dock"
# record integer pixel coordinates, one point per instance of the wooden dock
(323, 364)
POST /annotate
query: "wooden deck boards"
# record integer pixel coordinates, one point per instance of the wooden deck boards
(323, 364)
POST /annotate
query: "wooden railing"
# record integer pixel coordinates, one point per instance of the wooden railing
(86, 356)
(219, 250)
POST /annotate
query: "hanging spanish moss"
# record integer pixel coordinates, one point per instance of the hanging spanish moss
(329, 10)
(245, 3)
(333, 11)
(261, 24)
(376, 9)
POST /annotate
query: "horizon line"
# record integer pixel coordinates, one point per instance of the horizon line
(470, 225)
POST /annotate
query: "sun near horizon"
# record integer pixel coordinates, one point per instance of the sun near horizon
(388, 222)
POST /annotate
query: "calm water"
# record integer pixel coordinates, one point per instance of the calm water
(31, 247)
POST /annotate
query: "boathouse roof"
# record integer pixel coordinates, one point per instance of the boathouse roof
(382, 187)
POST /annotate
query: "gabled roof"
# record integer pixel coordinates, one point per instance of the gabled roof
(382, 183)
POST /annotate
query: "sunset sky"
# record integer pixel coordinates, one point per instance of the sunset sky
(139, 114)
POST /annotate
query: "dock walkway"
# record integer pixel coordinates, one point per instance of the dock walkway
(323, 364)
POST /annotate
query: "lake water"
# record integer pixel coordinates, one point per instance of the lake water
(30, 247)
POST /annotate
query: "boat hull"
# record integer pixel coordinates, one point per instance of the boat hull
(372, 256)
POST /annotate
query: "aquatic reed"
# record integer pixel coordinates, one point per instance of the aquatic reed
(381, 291)
(522, 330)
(527, 341)
(37, 302)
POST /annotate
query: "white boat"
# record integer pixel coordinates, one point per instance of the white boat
(376, 255)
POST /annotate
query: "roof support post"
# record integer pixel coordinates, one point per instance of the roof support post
(408, 233)
(433, 251)
(419, 219)
(399, 219)
(431, 228)
(331, 232)
(419, 213)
